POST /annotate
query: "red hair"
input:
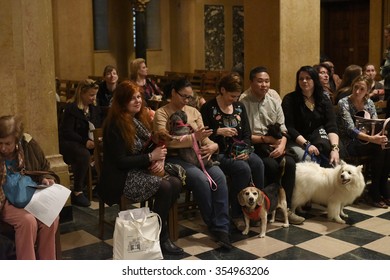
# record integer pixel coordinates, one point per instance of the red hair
(119, 114)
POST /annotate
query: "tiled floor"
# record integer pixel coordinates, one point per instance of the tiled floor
(365, 236)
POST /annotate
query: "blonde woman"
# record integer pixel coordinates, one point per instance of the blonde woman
(353, 139)
(139, 74)
(76, 143)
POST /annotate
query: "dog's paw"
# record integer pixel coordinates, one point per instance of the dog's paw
(245, 232)
(271, 220)
(261, 235)
(342, 214)
(286, 225)
(337, 220)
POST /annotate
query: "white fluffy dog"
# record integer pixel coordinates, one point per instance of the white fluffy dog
(333, 187)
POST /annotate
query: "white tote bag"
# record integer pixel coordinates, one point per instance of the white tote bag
(137, 235)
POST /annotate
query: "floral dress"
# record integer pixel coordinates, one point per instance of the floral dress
(140, 184)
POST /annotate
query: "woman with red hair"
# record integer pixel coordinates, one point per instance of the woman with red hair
(127, 168)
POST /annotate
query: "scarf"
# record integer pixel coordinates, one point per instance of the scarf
(19, 155)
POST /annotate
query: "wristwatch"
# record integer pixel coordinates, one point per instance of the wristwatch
(306, 144)
(335, 147)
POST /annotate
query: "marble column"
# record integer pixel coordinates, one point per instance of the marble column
(282, 35)
(28, 79)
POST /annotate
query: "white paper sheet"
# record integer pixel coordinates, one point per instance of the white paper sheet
(47, 203)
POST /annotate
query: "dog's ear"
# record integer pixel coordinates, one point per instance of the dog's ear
(342, 162)
(359, 168)
(260, 198)
(240, 197)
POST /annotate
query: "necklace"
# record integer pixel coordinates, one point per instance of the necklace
(309, 104)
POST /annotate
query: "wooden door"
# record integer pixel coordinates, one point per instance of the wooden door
(346, 32)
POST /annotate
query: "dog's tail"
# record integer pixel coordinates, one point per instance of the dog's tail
(282, 169)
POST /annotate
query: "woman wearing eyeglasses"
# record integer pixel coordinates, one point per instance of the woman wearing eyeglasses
(211, 198)
(310, 119)
(75, 137)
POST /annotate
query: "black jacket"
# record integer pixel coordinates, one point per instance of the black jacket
(74, 124)
(117, 161)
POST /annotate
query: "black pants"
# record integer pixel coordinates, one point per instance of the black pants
(78, 157)
(165, 197)
(272, 173)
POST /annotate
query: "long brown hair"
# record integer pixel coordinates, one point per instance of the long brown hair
(119, 115)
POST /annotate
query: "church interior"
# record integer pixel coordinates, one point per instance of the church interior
(72, 40)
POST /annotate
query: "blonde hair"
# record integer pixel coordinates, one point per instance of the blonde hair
(134, 67)
(365, 79)
(82, 88)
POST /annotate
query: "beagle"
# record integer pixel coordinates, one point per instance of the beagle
(256, 205)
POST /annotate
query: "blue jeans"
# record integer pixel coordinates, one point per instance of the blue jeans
(241, 173)
(213, 205)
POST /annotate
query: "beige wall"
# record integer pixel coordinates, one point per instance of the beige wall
(73, 31)
(286, 37)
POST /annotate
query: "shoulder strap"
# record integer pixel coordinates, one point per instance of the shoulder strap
(385, 132)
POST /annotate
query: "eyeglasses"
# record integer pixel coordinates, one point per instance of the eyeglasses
(189, 97)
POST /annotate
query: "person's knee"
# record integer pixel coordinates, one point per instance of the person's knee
(28, 222)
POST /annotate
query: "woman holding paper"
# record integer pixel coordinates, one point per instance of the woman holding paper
(359, 143)
(19, 150)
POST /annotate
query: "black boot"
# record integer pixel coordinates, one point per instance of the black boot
(169, 248)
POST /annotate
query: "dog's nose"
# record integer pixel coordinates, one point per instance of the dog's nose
(251, 199)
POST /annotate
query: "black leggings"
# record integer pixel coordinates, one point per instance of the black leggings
(165, 197)
(78, 157)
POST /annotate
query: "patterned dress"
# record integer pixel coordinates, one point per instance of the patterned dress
(140, 184)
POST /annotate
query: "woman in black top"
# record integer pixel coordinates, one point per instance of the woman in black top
(75, 137)
(310, 119)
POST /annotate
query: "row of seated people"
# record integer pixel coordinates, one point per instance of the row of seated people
(307, 114)
(227, 119)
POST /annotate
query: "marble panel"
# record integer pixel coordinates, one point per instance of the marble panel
(214, 28)
(238, 37)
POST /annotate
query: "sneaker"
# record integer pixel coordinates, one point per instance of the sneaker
(80, 200)
(239, 223)
(294, 219)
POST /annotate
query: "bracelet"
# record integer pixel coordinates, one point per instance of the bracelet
(306, 144)
(150, 157)
(335, 147)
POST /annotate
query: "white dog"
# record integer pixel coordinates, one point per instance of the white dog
(333, 187)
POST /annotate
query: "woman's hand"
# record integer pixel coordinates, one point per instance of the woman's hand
(243, 156)
(313, 150)
(378, 139)
(227, 131)
(334, 158)
(90, 145)
(159, 153)
(47, 182)
(157, 166)
(208, 150)
(279, 150)
(203, 133)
